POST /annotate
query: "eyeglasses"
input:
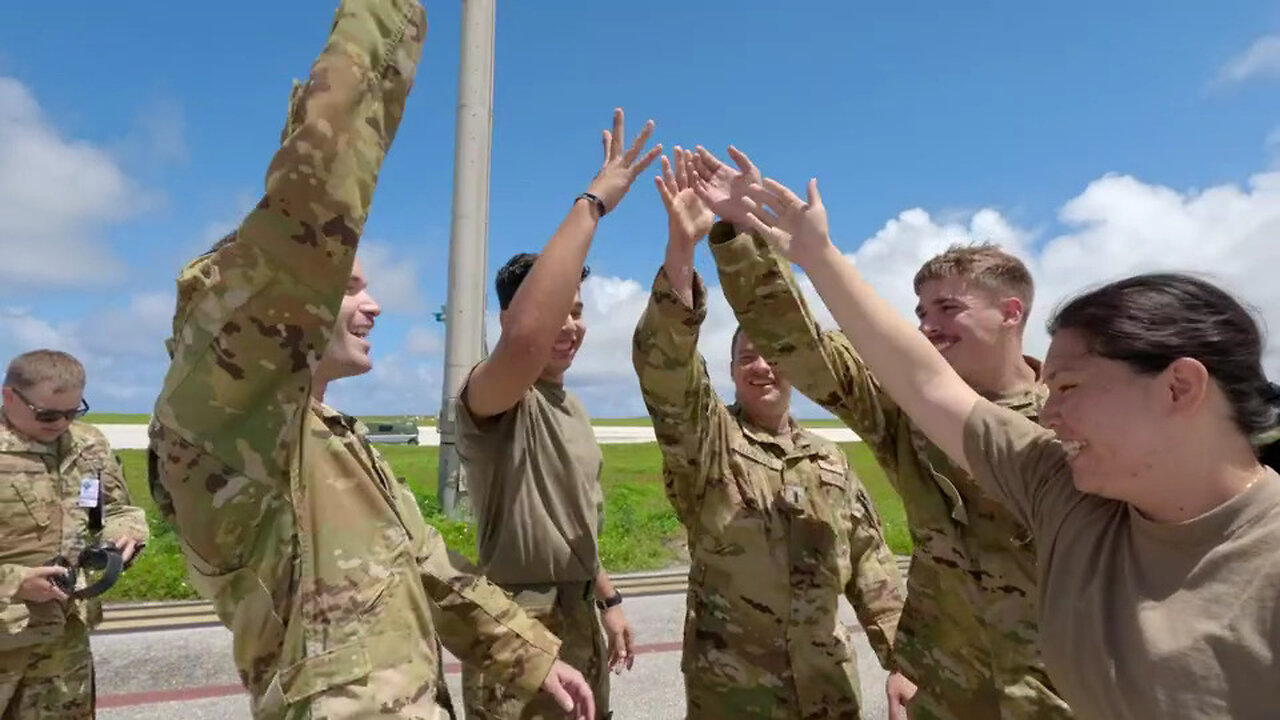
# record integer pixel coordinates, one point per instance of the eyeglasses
(46, 415)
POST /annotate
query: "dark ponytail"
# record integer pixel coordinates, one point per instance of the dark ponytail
(1268, 441)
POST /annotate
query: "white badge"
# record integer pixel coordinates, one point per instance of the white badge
(89, 492)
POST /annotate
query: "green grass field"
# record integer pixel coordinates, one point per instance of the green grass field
(641, 531)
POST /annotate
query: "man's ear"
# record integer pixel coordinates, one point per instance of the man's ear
(1012, 311)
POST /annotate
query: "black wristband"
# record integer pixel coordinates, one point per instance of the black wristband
(598, 202)
(610, 602)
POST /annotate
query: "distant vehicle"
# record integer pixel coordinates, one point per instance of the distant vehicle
(403, 432)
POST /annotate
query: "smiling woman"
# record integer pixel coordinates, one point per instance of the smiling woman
(1155, 522)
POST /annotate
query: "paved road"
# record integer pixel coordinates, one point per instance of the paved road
(134, 437)
(188, 673)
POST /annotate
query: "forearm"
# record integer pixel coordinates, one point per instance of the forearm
(545, 297)
(765, 297)
(483, 627)
(604, 587)
(674, 385)
(877, 593)
(256, 314)
(678, 267)
(906, 365)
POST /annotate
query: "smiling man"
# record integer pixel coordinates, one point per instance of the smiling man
(314, 554)
(61, 490)
(530, 456)
(967, 644)
(779, 526)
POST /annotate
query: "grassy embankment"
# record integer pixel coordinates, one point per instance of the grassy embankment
(641, 532)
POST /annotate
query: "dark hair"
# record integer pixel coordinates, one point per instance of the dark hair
(1148, 321)
(514, 272)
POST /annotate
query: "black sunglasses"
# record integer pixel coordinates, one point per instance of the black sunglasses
(45, 415)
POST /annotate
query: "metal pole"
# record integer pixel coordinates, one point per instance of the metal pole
(464, 311)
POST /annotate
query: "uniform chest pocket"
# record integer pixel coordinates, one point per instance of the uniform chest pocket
(27, 504)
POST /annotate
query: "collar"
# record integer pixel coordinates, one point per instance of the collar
(1031, 397)
(796, 440)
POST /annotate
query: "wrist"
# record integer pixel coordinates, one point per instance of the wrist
(608, 603)
(825, 254)
(592, 201)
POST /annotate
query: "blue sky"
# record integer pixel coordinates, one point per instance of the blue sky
(1092, 138)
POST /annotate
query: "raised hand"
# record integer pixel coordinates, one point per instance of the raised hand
(688, 217)
(619, 168)
(721, 187)
(795, 228)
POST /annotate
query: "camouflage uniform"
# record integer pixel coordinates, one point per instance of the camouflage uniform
(778, 529)
(46, 667)
(968, 636)
(313, 553)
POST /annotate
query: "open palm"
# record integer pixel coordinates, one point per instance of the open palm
(796, 228)
(721, 187)
(688, 217)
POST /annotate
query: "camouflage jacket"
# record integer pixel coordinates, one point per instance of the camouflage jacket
(44, 514)
(778, 531)
(311, 551)
(969, 630)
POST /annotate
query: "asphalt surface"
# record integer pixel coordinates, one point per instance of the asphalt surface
(134, 437)
(189, 673)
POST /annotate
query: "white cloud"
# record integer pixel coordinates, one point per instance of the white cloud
(393, 279)
(55, 194)
(423, 340)
(1261, 59)
(122, 347)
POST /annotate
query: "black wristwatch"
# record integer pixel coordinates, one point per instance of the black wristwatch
(607, 603)
(594, 200)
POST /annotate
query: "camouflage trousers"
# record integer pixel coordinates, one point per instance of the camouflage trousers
(49, 680)
(569, 612)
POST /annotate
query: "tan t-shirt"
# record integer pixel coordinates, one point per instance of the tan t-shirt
(534, 477)
(1141, 620)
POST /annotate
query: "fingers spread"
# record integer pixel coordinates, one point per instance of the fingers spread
(744, 163)
(812, 192)
(615, 147)
(763, 198)
(782, 192)
(639, 143)
(682, 167)
(760, 211)
(646, 160)
(667, 176)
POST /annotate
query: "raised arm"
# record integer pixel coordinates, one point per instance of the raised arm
(540, 306)
(257, 313)
(909, 369)
(677, 391)
(763, 293)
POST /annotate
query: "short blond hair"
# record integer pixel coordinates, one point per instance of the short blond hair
(985, 264)
(58, 368)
